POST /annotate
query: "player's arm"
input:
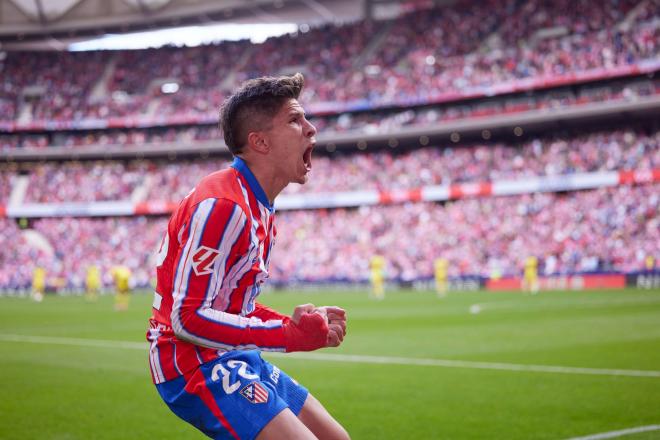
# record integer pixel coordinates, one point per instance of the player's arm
(265, 313)
(218, 239)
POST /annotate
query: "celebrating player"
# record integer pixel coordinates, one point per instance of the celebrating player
(207, 329)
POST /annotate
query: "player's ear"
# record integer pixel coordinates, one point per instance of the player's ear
(257, 141)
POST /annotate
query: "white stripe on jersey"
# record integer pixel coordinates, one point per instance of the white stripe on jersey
(176, 364)
(264, 215)
(243, 265)
(154, 356)
(231, 234)
(180, 287)
(236, 273)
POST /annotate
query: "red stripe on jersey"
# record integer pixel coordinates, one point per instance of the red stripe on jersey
(186, 358)
(208, 354)
(198, 387)
(166, 360)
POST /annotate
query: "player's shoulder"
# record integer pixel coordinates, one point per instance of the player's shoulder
(221, 184)
(219, 193)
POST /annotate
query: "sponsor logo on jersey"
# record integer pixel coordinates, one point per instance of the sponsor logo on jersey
(275, 375)
(203, 259)
(255, 393)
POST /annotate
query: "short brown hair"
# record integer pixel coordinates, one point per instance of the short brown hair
(253, 106)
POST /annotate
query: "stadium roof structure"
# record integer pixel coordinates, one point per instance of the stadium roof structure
(24, 21)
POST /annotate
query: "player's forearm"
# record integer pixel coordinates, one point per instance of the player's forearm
(266, 313)
(219, 330)
(215, 329)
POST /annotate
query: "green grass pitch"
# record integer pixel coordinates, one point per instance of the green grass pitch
(82, 389)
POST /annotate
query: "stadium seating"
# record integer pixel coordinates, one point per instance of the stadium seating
(586, 231)
(425, 55)
(604, 229)
(160, 180)
(362, 122)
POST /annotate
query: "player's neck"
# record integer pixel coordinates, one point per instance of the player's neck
(267, 178)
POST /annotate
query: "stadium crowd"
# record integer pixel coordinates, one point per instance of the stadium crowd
(83, 181)
(74, 244)
(487, 162)
(162, 180)
(578, 232)
(418, 56)
(587, 231)
(362, 122)
(7, 175)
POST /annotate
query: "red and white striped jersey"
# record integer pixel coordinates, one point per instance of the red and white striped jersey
(210, 268)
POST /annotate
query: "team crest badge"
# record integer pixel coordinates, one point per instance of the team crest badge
(203, 259)
(255, 393)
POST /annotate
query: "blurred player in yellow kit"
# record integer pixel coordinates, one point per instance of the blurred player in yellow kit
(122, 278)
(92, 283)
(377, 277)
(531, 278)
(440, 272)
(38, 283)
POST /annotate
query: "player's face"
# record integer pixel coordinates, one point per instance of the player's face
(292, 139)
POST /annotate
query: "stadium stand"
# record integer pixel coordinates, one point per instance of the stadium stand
(579, 232)
(422, 62)
(582, 200)
(381, 170)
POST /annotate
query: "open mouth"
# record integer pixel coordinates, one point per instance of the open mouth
(307, 157)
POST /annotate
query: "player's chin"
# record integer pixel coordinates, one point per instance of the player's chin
(302, 179)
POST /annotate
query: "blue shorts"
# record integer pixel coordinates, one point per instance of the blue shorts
(234, 396)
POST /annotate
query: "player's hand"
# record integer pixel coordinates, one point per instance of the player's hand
(336, 318)
(308, 330)
(301, 310)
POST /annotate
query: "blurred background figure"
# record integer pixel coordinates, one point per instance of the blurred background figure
(440, 274)
(377, 277)
(122, 279)
(530, 282)
(38, 284)
(92, 283)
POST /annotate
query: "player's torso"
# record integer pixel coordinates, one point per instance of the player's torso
(246, 267)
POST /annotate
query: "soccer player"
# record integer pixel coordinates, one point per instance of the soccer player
(92, 283)
(122, 278)
(531, 276)
(207, 328)
(377, 277)
(440, 272)
(38, 283)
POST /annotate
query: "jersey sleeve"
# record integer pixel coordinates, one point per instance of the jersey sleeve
(266, 313)
(217, 234)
